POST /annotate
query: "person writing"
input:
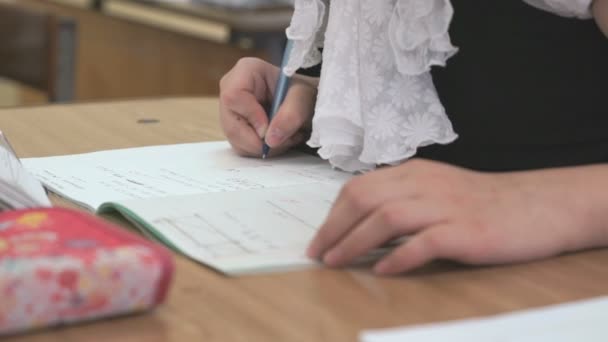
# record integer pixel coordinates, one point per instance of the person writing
(480, 129)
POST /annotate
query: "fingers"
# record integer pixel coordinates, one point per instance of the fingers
(243, 138)
(245, 141)
(416, 252)
(253, 75)
(296, 139)
(294, 114)
(243, 90)
(244, 104)
(391, 220)
(358, 198)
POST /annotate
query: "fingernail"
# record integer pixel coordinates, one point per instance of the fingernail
(312, 252)
(332, 258)
(275, 137)
(260, 129)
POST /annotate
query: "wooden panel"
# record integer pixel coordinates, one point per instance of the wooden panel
(169, 20)
(117, 58)
(263, 18)
(25, 45)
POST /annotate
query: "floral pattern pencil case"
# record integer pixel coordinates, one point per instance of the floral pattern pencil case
(60, 266)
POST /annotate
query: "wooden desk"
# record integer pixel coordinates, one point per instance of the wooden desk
(315, 305)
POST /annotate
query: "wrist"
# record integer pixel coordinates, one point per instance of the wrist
(570, 198)
(593, 202)
(582, 203)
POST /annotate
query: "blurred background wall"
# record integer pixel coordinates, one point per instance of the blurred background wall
(92, 50)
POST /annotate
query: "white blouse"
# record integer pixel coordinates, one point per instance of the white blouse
(376, 102)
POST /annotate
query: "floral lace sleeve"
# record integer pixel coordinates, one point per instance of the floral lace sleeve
(376, 103)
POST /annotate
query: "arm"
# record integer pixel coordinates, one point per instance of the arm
(600, 12)
(462, 215)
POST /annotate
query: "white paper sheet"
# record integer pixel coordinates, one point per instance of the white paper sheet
(243, 231)
(18, 188)
(583, 321)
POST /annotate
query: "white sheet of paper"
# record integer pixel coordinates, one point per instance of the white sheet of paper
(235, 214)
(19, 188)
(245, 231)
(571, 322)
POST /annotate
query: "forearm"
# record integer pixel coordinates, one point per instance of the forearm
(600, 13)
(578, 195)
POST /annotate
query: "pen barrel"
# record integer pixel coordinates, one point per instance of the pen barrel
(282, 83)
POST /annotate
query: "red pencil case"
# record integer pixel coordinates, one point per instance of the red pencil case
(61, 266)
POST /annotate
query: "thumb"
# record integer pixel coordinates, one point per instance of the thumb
(294, 113)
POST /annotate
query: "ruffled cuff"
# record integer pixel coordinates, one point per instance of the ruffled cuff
(567, 8)
(419, 37)
(306, 33)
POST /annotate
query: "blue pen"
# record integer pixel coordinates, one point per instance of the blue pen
(279, 93)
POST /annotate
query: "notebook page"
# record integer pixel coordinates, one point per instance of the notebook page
(170, 170)
(572, 322)
(248, 231)
(236, 214)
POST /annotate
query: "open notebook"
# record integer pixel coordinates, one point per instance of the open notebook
(237, 215)
(18, 188)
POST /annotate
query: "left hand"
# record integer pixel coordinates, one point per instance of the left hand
(451, 213)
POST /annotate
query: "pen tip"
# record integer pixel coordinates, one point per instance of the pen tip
(265, 151)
